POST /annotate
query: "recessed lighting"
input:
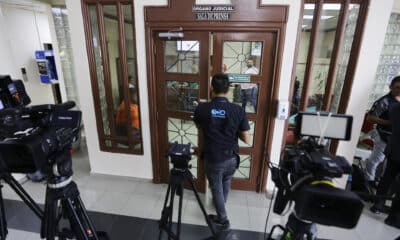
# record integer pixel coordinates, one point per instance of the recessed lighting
(323, 17)
(326, 17)
(325, 7)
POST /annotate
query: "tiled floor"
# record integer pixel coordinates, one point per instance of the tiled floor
(140, 198)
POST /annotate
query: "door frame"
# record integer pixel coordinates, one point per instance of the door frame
(164, 19)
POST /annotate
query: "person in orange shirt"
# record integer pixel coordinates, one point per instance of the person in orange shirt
(122, 118)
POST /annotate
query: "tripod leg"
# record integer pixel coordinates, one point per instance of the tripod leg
(49, 221)
(164, 213)
(171, 211)
(3, 221)
(202, 207)
(178, 233)
(80, 222)
(23, 195)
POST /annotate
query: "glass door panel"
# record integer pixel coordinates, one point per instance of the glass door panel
(182, 69)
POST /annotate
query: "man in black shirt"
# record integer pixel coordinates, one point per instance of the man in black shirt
(392, 173)
(393, 161)
(379, 115)
(222, 123)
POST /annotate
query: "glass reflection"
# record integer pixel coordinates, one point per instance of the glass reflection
(182, 131)
(344, 56)
(99, 67)
(243, 172)
(242, 57)
(182, 96)
(245, 95)
(245, 145)
(181, 56)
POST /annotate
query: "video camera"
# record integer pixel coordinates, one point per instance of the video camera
(35, 137)
(180, 155)
(305, 173)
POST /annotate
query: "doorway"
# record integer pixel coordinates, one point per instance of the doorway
(183, 69)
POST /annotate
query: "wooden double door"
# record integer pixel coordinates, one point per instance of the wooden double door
(183, 72)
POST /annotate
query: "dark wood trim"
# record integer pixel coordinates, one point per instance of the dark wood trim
(310, 58)
(250, 11)
(124, 69)
(106, 15)
(153, 27)
(93, 71)
(137, 77)
(106, 69)
(353, 60)
(104, 2)
(152, 98)
(330, 82)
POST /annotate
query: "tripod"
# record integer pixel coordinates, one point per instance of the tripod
(176, 186)
(296, 229)
(62, 200)
(10, 180)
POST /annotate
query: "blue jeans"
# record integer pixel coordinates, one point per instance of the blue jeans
(249, 95)
(219, 177)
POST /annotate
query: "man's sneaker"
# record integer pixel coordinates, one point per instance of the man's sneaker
(221, 225)
(375, 209)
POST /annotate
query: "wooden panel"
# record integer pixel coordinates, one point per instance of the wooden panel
(245, 11)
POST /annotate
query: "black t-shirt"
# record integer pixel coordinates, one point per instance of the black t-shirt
(380, 109)
(394, 142)
(221, 122)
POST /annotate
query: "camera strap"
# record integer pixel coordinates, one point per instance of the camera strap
(322, 129)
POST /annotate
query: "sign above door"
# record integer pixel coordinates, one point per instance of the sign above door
(213, 12)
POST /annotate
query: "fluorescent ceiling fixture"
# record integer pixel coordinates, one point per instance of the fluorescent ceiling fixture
(309, 6)
(323, 17)
(325, 7)
(303, 26)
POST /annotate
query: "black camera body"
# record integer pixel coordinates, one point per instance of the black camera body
(35, 137)
(180, 155)
(304, 176)
(53, 131)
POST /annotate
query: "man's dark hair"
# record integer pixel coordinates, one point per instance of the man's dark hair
(394, 81)
(220, 83)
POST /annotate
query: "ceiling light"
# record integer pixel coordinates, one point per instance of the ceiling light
(323, 17)
(325, 7)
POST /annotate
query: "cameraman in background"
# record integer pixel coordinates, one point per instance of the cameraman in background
(379, 115)
(222, 123)
(392, 170)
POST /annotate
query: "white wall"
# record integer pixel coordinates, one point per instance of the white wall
(23, 30)
(372, 43)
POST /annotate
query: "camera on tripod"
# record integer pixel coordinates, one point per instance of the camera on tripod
(180, 155)
(304, 176)
(35, 138)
